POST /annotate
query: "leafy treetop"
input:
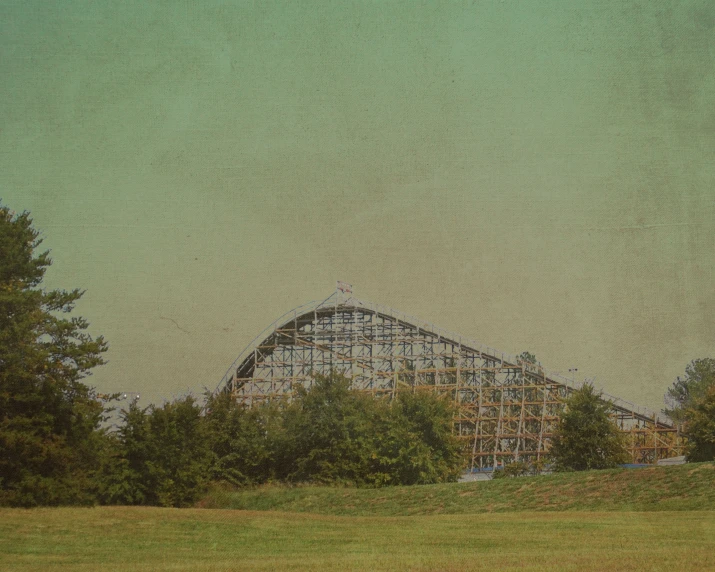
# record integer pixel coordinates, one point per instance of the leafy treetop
(688, 390)
(586, 436)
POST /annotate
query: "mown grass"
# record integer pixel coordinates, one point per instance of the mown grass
(657, 518)
(144, 538)
(684, 487)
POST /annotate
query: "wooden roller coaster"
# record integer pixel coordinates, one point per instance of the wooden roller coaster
(508, 407)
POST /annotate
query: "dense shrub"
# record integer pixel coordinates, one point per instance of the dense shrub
(161, 456)
(242, 442)
(331, 434)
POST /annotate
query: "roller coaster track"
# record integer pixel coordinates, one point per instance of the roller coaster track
(507, 407)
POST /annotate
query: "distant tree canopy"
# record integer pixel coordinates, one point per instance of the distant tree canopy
(586, 436)
(527, 357)
(691, 402)
(327, 434)
(50, 443)
(685, 392)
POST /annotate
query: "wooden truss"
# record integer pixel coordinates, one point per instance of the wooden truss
(508, 408)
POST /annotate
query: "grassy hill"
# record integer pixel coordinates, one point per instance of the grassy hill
(684, 487)
(659, 518)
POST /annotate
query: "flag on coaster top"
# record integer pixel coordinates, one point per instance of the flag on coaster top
(345, 288)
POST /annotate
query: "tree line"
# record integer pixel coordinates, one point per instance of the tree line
(56, 448)
(327, 434)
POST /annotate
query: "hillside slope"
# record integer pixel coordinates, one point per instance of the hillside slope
(685, 487)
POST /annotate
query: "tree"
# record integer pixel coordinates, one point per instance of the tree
(333, 434)
(180, 455)
(49, 419)
(241, 440)
(685, 392)
(586, 437)
(414, 441)
(700, 428)
(162, 456)
(327, 433)
(123, 477)
(527, 357)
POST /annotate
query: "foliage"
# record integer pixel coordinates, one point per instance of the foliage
(515, 469)
(686, 391)
(700, 429)
(243, 442)
(586, 437)
(328, 435)
(537, 466)
(332, 434)
(120, 477)
(163, 457)
(527, 357)
(414, 441)
(49, 420)
(520, 469)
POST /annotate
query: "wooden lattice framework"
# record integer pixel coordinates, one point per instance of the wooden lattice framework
(508, 408)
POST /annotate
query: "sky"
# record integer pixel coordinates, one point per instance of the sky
(534, 175)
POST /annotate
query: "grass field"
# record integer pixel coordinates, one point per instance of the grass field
(139, 538)
(646, 519)
(684, 487)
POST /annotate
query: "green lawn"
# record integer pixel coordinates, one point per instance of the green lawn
(137, 538)
(684, 487)
(660, 518)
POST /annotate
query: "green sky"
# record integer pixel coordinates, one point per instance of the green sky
(535, 175)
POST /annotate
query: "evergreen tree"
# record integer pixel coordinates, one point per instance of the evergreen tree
(586, 437)
(180, 455)
(49, 419)
(124, 477)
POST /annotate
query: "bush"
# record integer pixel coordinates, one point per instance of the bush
(517, 469)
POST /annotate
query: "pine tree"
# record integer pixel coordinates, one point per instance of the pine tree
(49, 419)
